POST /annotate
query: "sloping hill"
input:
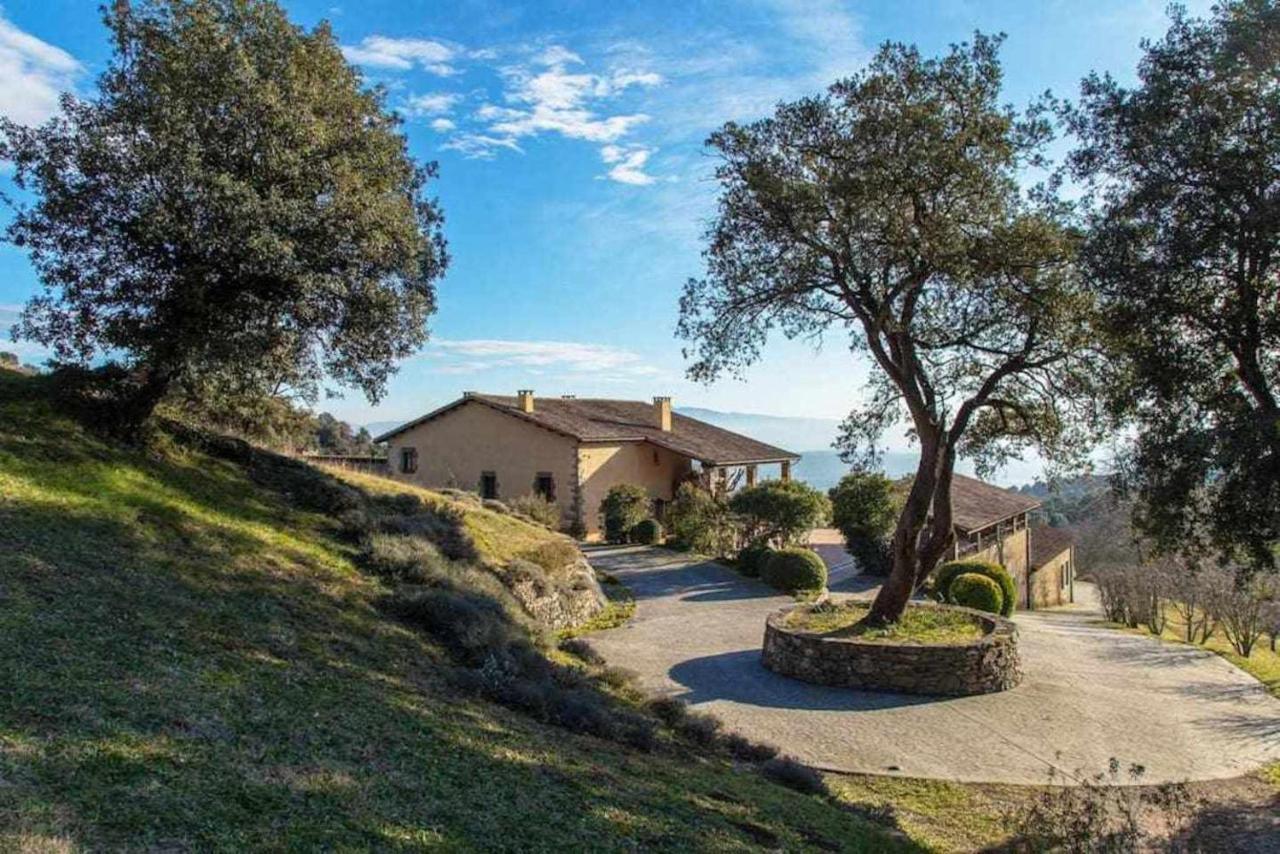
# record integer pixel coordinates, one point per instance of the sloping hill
(189, 660)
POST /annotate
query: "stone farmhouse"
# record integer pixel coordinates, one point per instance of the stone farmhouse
(570, 450)
(992, 524)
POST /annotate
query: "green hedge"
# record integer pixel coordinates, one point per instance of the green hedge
(751, 559)
(949, 572)
(795, 570)
(977, 591)
(647, 531)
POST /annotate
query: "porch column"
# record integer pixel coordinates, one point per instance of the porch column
(786, 470)
(751, 475)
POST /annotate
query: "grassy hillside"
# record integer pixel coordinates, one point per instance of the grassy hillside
(190, 662)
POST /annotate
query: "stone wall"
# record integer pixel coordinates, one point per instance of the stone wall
(572, 598)
(983, 666)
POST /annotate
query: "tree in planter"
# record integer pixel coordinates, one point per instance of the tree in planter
(232, 203)
(1183, 249)
(890, 207)
(781, 512)
(864, 508)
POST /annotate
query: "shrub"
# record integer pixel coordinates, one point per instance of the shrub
(623, 507)
(553, 555)
(948, 572)
(976, 591)
(618, 677)
(399, 558)
(670, 710)
(496, 506)
(647, 531)
(538, 508)
(443, 525)
(583, 650)
(702, 522)
(795, 775)
(698, 727)
(746, 750)
(795, 570)
(864, 507)
(473, 627)
(751, 560)
(781, 511)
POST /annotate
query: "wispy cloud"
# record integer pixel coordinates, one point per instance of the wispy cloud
(569, 357)
(627, 163)
(443, 125)
(431, 103)
(402, 54)
(33, 73)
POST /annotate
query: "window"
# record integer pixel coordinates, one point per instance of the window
(408, 460)
(660, 509)
(488, 485)
(545, 485)
(1065, 575)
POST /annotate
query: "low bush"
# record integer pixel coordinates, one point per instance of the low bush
(538, 508)
(582, 649)
(795, 775)
(623, 507)
(618, 677)
(751, 560)
(950, 571)
(526, 572)
(698, 727)
(670, 710)
(553, 555)
(399, 558)
(976, 591)
(443, 525)
(647, 531)
(475, 628)
(496, 506)
(795, 571)
(745, 750)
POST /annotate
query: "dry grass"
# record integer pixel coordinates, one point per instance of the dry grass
(923, 626)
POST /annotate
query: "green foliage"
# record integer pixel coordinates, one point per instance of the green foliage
(973, 590)
(231, 203)
(9, 360)
(647, 531)
(1182, 249)
(864, 508)
(537, 508)
(780, 511)
(950, 571)
(624, 506)
(752, 559)
(961, 290)
(795, 571)
(702, 522)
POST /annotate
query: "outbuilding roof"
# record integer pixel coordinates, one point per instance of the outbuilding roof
(1047, 543)
(976, 505)
(600, 420)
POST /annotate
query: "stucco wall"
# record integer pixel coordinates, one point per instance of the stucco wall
(454, 448)
(1046, 582)
(603, 466)
(1012, 555)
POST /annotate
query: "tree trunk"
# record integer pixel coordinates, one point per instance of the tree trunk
(896, 591)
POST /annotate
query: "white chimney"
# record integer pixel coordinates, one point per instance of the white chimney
(662, 413)
(524, 398)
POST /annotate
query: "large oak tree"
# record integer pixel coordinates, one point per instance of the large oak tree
(1184, 249)
(232, 205)
(890, 209)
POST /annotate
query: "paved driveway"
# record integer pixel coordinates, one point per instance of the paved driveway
(1090, 693)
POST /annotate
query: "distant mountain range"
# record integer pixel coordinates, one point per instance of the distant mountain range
(812, 439)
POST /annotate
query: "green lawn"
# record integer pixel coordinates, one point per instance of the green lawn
(925, 626)
(190, 663)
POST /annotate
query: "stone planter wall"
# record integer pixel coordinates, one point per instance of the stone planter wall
(982, 666)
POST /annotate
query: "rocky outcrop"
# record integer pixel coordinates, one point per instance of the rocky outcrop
(983, 666)
(559, 599)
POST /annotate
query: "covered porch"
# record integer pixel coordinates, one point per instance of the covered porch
(733, 475)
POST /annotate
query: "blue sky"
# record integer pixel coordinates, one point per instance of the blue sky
(574, 181)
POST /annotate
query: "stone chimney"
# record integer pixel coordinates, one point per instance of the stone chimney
(524, 398)
(662, 413)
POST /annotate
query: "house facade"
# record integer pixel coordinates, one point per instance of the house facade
(993, 524)
(570, 450)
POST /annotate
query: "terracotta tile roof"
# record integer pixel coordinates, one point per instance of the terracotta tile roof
(1047, 543)
(976, 505)
(597, 420)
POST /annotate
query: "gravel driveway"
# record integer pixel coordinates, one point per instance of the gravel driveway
(1090, 693)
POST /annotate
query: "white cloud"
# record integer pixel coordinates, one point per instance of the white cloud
(474, 355)
(403, 54)
(33, 73)
(432, 103)
(443, 125)
(628, 163)
(479, 146)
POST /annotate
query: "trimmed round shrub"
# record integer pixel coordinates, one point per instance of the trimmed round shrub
(794, 570)
(949, 572)
(647, 531)
(752, 558)
(977, 591)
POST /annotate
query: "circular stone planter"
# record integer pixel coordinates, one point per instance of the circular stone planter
(983, 666)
